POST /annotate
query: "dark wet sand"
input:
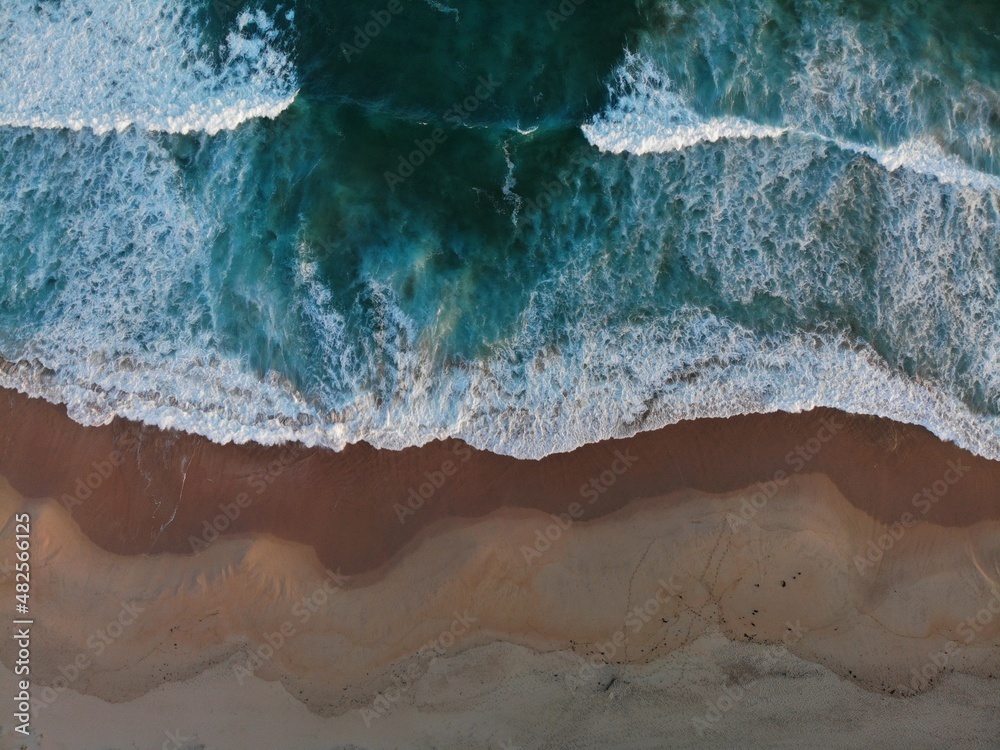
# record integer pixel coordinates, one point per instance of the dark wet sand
(348, 505)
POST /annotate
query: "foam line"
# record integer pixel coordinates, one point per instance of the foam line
(650, 118)
(110, 66)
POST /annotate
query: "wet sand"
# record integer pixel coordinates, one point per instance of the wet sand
(354, 507)
(815, 569)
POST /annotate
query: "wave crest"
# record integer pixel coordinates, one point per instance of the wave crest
(649, 117)
(110, 66)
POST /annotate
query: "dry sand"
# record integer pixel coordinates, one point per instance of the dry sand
(324, 616)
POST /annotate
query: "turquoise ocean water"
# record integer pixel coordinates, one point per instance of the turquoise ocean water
(527, 224)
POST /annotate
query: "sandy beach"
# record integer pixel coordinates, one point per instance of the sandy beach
(454, 375)
(444, 596)
(139, 490)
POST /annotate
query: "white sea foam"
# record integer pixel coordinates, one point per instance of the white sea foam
(555, 404)
(442, 8)
(925, 156)
(124, 334)
(108, 66)
(649, 117)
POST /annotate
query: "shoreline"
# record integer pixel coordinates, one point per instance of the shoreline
(365, 593)
(135, 489)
